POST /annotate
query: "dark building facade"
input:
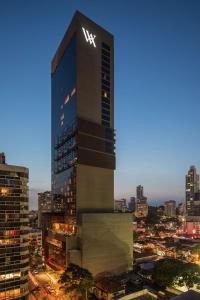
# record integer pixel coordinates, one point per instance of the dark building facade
(82, 117)
(192, 192)
(83, 141)
(14, 230)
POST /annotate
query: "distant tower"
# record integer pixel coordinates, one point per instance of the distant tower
(44, 205)
(170, 208)
(141, 203)
(132, 204)
(139, 192)
(2, 158)
(192, 190)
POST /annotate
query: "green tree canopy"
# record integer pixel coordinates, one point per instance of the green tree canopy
(196, 249)
(174, 272)
(75, 278)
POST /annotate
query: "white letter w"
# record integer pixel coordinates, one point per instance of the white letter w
(89, 37)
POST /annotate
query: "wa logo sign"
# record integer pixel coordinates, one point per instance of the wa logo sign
(90, 38)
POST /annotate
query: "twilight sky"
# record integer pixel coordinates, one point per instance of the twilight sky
(157, 88)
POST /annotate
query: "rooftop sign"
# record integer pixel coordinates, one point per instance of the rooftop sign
(89, 37)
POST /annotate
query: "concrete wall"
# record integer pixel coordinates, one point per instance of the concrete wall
(95, 189)
(107, 242)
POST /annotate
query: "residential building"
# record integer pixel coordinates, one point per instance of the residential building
(132, 204)
(181, 209)
(170, 208)
(141, 203)
(192, 192)
(83, 227)
(120, 205)
(44, 205)
(33, 218)
(35, 248)
(14, 223)
(140, 192)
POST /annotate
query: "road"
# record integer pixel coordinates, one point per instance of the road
(45, 281)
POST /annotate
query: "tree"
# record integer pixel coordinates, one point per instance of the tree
(75, 278)
(196, 249)
(172, 272)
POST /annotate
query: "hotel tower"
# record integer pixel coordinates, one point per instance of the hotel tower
(82, 227)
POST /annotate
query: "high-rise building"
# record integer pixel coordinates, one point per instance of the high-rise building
(83, 137)
(132, 204)
(141, 203)
(192, 192)
(170, 208)
(14, 223)
(44, 205)
(139, 192)
(83, 154)
(181, 209)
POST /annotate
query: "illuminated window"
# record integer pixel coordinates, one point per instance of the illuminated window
(73, 92)
(4, 191)
(62, 117)
(66, 99)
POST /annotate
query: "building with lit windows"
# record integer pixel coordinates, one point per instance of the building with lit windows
(170, 208)
(83, 228)
(192, 203)
(35, 248)
(141, 203)
(44, 205)
(192, 192)
(14, 230)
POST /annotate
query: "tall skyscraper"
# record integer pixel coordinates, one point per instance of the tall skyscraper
(83, 137)
(14, 254)
(170, 208)
(192, 192)
(83, 151)
(141, 203)
(139, 192)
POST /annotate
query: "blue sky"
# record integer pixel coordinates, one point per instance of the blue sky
(157, 88)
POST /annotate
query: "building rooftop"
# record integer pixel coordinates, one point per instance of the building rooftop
(189, 295)
(109, 285)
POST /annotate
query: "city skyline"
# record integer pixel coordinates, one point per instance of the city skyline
(152, 140)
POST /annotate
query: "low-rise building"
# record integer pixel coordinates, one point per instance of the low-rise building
(120, 205)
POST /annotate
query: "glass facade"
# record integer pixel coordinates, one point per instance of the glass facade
(64, 115)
